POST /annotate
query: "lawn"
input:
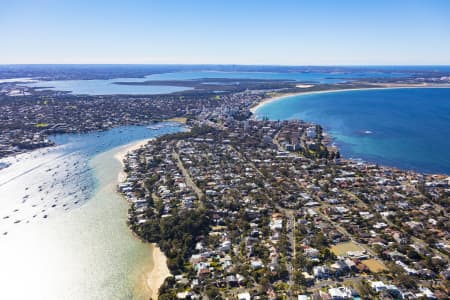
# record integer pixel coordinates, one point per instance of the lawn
(342, 248)
(374, 265)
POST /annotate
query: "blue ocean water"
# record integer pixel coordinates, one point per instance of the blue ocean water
(407, 128)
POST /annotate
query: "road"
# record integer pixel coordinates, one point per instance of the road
(189, 181)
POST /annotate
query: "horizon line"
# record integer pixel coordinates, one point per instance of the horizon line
(230, 64)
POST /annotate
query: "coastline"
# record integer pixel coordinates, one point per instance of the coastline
(330, 138)
(120, 156)
(275, 98)
(158, 270)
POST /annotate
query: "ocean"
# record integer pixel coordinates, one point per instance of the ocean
(407, 128)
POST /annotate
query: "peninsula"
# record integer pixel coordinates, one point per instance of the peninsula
(248, 208)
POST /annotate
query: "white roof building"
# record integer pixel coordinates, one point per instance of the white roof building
(378, 286)
(244, 296)
(340, 293)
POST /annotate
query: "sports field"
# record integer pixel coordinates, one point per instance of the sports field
(374, 265)
(342, 248)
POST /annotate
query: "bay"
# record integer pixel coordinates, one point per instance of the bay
(108, 86)
(82, 250)
(404, 127)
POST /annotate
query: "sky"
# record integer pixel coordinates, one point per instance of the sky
(269, 32)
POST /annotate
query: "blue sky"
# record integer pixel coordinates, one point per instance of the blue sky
(296, 32)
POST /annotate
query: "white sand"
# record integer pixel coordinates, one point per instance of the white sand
(158, 273)
(120, 156)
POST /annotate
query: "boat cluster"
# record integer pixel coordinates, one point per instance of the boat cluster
(59, 185)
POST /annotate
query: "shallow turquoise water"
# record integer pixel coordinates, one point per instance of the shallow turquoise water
(407, 128)
(83, 250)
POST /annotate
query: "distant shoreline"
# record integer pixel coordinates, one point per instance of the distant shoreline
(276, 98)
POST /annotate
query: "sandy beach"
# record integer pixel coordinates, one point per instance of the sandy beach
(277, 97)
(120, 156)
(158, 273)
(158, 270)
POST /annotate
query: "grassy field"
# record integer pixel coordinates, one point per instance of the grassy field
(342, 248)
(374, 265)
